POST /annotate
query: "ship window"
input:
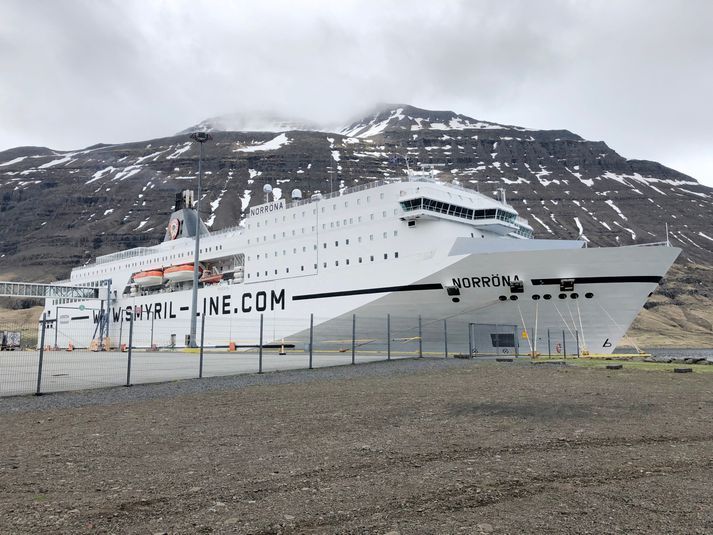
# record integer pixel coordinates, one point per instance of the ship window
(360, 260)
(359, 239)
(331, 225)
(325, 264)
(336, 244)
(371, 258)
(396, 254)
(275, 272)
(359, 220)
(385, 235)
(371, 217)
(347, 261)
(381, 196)
(266, 273)
(371, 237)
(315, 266)
(324, 245)
(347, 241)
(302, 268)
(336, 263)
(386, 256)
(304, 249)
(383, 214)
(351, 220)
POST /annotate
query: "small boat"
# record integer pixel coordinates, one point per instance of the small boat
(181, 273)
(151, 277)
(211, 278)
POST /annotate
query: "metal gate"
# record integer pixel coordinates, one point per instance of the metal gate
(493, 339)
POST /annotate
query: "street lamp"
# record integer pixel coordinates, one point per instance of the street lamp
(198, 137)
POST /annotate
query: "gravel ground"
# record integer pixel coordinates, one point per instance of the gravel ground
(417, 446)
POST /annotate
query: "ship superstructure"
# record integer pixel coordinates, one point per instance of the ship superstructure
(400, 247)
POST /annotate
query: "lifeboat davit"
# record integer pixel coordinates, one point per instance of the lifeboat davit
(151, 277)
(182, 273)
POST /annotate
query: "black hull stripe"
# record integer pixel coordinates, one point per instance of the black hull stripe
(411, 288)
(601, 280)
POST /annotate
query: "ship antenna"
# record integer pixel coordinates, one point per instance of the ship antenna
(668, 243)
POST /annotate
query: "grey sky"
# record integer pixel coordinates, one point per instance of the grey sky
(635, 73)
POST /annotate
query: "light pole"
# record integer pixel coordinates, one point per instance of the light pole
(198, 137)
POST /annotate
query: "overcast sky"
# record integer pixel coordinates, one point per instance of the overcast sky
(637, 74)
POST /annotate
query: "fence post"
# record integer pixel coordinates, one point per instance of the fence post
(388, 337)
(153, 316)
(42, 354)
(549, 347)
(131, 341)
(445, 337)
(56, 327)
(353, 338)
(259, 366)
(497, 340)
(576, 334)
(420, 338)
(121, 328)
(200, 360)
(311, 338)
(470, 340)
(564, 344)
(517, 341)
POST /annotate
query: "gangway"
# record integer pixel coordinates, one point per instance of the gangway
(60, 290)
(46, 291)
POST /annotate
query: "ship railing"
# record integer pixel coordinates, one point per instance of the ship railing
(121, 255)
(652, 244)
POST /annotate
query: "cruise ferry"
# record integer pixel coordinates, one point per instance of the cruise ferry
(403, 248)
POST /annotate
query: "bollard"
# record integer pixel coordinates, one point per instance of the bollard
(259, 364)
(420, 338)
(353, 338)
(42, 354)
(200, 359)
(388, 337)
(131, 341)
(311, 338)
(445, 338)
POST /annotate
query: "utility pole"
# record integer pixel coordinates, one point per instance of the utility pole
(201, 138)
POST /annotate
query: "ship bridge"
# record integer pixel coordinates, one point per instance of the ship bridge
(499, 219)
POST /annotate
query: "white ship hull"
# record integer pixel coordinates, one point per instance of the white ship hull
(612, 284)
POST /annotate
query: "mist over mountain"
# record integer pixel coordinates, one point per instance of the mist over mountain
(61, 209)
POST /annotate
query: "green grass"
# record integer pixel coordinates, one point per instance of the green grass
(638, 365)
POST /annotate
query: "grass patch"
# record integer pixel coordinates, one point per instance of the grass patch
(638, 365)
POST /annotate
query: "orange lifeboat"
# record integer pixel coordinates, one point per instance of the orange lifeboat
(211, 278)
(151, 277)
(182, 273)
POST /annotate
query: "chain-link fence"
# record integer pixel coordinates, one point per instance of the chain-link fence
(72, 352)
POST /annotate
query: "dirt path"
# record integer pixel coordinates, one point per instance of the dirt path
(475, 448)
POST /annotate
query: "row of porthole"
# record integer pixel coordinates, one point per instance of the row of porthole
(547, 297)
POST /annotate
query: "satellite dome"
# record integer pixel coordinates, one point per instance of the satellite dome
(267, 188)
(296, 194)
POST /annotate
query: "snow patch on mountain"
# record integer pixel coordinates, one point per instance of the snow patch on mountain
(274, 144)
